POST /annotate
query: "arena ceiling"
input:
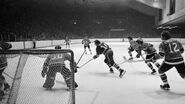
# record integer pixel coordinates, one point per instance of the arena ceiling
(143, 6)
(99, 5)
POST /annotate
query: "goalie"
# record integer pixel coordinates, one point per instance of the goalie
(55, 63)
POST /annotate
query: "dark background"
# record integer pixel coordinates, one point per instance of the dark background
(55, 19)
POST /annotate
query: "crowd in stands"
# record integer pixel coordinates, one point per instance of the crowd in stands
(26, 21)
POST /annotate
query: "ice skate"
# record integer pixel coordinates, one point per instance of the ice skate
(47, 87)
(153, 72)
(165, 87)
(111, 70)
(122, 72)
(130, 59)
(76, 85)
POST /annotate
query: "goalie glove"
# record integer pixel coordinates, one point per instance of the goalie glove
(75, 67)
(43, 73)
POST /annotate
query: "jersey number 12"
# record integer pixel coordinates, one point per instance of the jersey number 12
(173, 47)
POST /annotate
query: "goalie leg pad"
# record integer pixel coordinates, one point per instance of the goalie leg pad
(49, 83)
(65, 72)
(68, 81)
(50, 78)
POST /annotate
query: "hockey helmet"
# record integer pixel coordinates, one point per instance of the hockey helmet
(97, 42)
(165, 35)
(130, 38)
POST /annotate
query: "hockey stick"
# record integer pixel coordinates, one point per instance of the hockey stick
(80, 58)
(143, 58)
(125, 60)
(86, 63)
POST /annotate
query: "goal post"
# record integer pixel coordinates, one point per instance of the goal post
(23, 74)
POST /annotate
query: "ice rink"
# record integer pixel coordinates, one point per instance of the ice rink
(98, 86)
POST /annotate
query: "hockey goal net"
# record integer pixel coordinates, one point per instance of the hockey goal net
(23, 74)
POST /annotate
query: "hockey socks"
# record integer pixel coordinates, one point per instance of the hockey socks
(151, 67)
(122, 72)
(165, 86)
(157, 64)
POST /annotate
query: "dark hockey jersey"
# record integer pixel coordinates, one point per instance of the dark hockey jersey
(102, 48)
(148, 48)
(172, 50)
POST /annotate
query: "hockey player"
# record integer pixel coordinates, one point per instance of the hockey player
(103, 48)
(171, 50)
(86, 43)
(150, 53)
(133, 46)
(34, 43)
(3, 64)
(53, 64)
(67, 41)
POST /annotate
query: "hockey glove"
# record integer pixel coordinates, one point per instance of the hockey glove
(76, 70)
(182, 50)
(157, 56)
(138, 56)
(130, 49)
(95, 56)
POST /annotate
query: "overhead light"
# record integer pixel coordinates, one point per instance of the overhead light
(167, 27)
(156, 4)
(152, 3)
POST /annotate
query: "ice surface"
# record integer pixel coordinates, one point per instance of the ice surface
(98, 86)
